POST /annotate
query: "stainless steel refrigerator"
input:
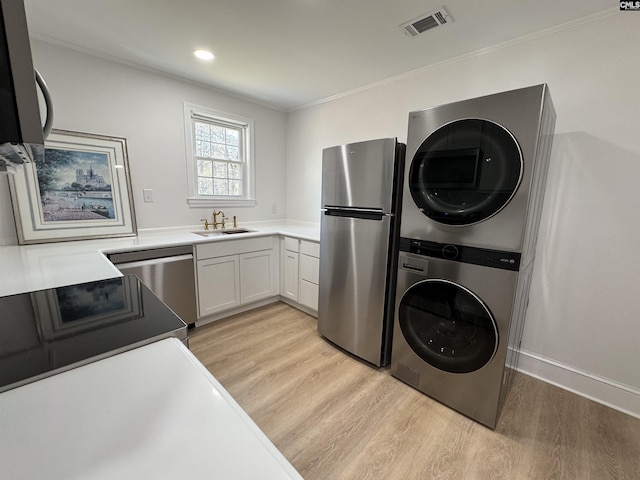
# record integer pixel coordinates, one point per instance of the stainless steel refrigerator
(361, 197)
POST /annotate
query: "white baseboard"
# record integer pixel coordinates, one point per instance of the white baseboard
(244, 308)
(599, 389)
(234, 311)
(299, 306)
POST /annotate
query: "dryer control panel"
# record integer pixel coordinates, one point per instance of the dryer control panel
(460, 253)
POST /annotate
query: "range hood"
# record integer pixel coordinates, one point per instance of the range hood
(21, 132)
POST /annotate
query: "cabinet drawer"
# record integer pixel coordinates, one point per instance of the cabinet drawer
(309, 268)
(308, 295)
(310, 248)
(222, 248)
(291, 244)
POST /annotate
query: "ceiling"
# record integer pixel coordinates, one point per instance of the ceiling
(290, 53)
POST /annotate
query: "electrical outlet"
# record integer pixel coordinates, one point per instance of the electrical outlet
(274, 209)
(147, 193)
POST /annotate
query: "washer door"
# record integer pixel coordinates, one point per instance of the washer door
(465, 172)
(448, 326)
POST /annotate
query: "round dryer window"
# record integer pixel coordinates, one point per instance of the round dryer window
(448, 326)
(465, 172)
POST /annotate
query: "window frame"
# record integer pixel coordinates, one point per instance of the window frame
(193, 113)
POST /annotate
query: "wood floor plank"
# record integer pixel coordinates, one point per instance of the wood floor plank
(335, 417)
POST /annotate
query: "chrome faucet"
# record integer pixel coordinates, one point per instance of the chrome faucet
(215, 219)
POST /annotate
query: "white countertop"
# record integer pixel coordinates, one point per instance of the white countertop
(153, 412)
(35, 267)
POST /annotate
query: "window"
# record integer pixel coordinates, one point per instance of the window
(219, 158)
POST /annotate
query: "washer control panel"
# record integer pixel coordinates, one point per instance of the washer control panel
(460, 253)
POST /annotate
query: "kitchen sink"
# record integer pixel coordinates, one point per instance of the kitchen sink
(218, 233)
(233, 231)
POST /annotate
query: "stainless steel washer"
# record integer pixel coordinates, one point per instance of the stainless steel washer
(476, 171)
(472, 201)
(458, 321)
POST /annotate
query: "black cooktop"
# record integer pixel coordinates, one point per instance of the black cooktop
(49, 331)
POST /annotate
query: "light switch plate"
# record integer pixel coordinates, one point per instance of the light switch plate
(147, 193)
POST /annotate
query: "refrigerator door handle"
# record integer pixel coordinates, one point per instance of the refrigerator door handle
(355, 212)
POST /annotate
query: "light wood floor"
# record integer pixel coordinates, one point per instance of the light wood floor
(334, 417)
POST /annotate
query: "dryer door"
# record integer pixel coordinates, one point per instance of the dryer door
(448, 326)
(465, 172)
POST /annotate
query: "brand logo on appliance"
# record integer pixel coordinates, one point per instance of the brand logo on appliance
(507, 260)
(630, 6)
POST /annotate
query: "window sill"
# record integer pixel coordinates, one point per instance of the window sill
(195, 202)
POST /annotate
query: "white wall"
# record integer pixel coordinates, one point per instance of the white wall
(95, 95)
(583, 323)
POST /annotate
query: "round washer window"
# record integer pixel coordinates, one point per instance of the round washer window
(465, 172)
(448, 326)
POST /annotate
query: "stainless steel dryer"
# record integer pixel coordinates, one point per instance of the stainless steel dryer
(458, 323)
(476, 170)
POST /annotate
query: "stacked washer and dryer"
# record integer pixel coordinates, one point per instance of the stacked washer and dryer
(473, 191)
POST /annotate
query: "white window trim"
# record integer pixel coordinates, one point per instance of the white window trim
(195, 200)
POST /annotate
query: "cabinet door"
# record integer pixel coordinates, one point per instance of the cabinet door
(218, 284)
(257, 279)
(290, 276)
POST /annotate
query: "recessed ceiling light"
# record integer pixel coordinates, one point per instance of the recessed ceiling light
(203, 54)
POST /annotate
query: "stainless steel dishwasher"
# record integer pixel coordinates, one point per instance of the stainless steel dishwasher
(168, 272)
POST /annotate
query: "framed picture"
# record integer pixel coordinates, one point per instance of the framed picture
(82, 190)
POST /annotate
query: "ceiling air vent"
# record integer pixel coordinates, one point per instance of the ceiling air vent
(425, 22)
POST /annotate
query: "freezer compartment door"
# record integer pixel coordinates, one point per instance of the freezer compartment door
(353, 282)
(359, 174)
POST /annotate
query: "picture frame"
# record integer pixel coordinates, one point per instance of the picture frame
(81, 191)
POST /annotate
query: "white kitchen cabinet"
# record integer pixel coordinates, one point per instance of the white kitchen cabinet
(232, 274)
(257, 276)
(311, 249)
(290, 276)
(300, 267)
(309, 268)
(309, 274)
(308, 295)
(292, 244)
(218, 284)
